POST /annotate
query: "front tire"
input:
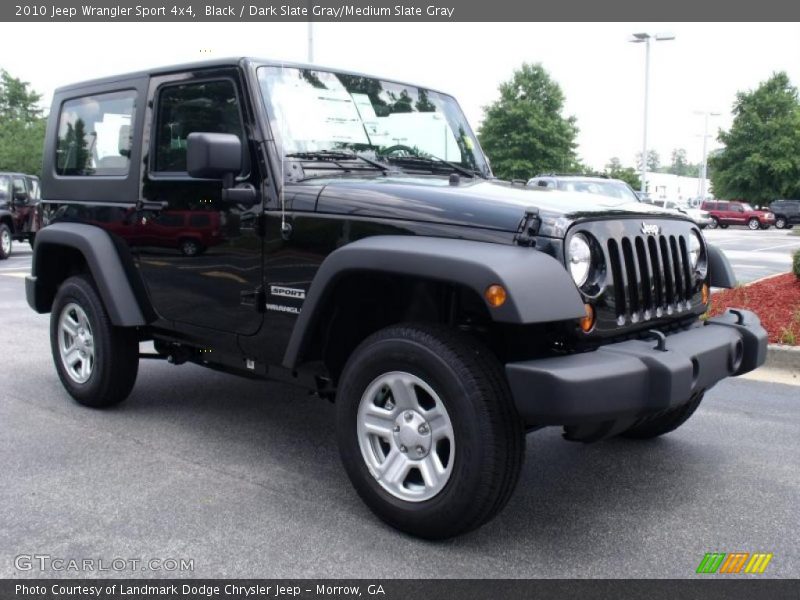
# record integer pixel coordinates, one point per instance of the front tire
(753, 224)
(96, 361)
(780, 223)
(427, 430)
(5, 241)
(665, 423)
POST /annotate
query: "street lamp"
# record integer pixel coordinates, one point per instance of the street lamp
(645, 38)
(704, 165)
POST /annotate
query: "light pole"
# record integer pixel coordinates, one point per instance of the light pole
(645, 38)
(704, 165)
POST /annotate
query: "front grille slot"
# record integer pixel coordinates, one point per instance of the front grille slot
(651, 276)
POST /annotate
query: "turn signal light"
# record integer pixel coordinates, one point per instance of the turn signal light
(704, 293)
(587, 322)
(495, 295)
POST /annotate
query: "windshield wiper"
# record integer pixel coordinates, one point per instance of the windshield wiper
(337, 155)
(414, 159)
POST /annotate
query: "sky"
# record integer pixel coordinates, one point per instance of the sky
(599, 70)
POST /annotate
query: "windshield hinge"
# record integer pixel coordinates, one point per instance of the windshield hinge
(528, 228)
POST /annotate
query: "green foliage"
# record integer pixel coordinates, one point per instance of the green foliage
(21, 126)
(524, 132)
(761, 158)
(615, 170)
(653, 161)
(796, 264)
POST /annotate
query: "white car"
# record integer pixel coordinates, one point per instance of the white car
(701, 217)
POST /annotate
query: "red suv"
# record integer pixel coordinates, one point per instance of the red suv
(731, 212)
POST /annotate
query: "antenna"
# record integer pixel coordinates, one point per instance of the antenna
(286, 229)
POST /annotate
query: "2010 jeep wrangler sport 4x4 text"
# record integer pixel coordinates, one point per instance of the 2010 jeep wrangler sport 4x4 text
(345, 233)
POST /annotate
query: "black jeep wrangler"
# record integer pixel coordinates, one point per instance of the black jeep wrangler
(363, 249)
(19, 204)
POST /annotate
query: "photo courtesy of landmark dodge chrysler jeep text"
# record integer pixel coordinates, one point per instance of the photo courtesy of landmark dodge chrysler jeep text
(363, 249)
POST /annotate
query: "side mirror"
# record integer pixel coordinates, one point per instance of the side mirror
(219, 156)
(213, 156)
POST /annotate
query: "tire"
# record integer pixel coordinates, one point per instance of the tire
(190, 247)
(753, 224)
(765, 226)
(6, 242)
(780, 223)
(724, 226)
(101, 367)
(714, 223)
(664, 423)
(455, 382)
(32, 239)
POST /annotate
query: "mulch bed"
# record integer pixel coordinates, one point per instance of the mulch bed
(776, 301)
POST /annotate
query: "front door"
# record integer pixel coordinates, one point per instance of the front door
(200, 257)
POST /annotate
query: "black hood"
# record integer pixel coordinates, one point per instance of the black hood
(472, 203)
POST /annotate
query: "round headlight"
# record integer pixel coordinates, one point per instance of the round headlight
(695, 249)
(579, 259)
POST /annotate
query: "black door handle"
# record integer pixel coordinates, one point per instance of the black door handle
(152, 205)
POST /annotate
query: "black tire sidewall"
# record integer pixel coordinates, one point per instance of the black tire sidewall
(4, 255)
(403, 355)
(714, 223)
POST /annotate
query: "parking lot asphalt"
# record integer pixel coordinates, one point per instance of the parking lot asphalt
(244, 478)
(756, 254)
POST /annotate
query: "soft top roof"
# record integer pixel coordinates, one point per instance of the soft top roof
(224, 62)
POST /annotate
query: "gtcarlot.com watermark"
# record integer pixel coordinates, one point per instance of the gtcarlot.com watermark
(46, 562)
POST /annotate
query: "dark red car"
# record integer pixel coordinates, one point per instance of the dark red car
(732, 212)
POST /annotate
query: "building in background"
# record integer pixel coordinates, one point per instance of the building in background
(665, 186)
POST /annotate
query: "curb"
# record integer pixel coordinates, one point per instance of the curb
(783, 358)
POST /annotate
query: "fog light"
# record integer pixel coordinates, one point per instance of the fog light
(495, 295)
(704, 293)
(587, 322)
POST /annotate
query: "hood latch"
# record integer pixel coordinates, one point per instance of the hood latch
(528, 228)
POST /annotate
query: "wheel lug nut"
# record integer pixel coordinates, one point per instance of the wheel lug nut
(396, 428)
(423, 429)
(408, 416)
(388, 405)
(420, 450)
(403, 448)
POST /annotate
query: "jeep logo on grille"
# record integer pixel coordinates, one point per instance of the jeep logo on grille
(650, 229)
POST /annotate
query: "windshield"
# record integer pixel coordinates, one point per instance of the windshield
(320, 111)
(615, 189)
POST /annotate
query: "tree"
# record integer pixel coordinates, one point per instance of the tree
(615, 170)
(760, 160)
(653, 161)
(21, 126)
(679, 165)
(524, 131)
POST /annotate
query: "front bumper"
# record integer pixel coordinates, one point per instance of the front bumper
(634, 378)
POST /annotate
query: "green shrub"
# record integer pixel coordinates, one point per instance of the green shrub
(796, 264)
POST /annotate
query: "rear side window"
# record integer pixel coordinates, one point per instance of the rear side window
(94, 135)
(209, 106)
(3, 188)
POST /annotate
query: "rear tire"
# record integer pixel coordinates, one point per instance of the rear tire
(96, 361)
(669, 421)
(397, 384)
(714, 223)
(5, 241)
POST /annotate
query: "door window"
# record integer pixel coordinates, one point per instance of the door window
(20, 191)
(209, 106)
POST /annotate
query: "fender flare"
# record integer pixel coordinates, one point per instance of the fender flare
(539, 288)
(720, 271)
(105, 265)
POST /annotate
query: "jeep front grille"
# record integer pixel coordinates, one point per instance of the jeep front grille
(650, 276)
